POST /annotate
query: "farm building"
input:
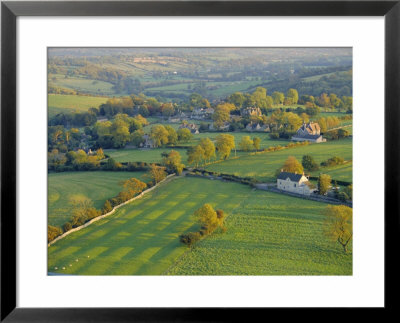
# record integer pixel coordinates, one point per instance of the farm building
(309, 132)
(251, 111)
(256, 127)
(194, 129)
(295, 183)
(147, 143)
(202, 113)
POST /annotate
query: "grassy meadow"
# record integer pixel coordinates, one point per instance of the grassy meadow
(142, 155)
(98, 186)
(141, 238)
(268, 234)
(263, 165)
(58, 103)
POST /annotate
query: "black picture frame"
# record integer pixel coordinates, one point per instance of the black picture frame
(9, 13)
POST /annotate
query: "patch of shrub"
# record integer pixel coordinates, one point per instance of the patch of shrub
(67, 226)
(333, 161)
(53, 232)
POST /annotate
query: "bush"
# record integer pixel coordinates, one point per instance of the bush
(343, 196)
(53, 232)
(190, 238)
(274, 135)
(67, 226)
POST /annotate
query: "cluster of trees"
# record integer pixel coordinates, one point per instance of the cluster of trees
(172, 162)
(74, 119)
(74, 160)
(209, 220)
(202, 152)
(247, 144)
(118, 132)
(166, 135)
(337, 134)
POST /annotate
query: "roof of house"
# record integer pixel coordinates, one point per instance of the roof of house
(292, 176)
(311, 127)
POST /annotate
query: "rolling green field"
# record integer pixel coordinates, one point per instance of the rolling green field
(98, 186)
(263, 166)
(142, 155)
(340, 172)
(268, 234)
(141, 238)
(264, 136)
(82, 84)
(58, 103)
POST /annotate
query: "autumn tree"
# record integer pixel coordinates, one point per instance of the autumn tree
(338, 224)
(172, 162)
(256, 143)
(208, 218)
(309, 163)
(208, 147)
(159, 135)
(167, 109)
(156, 173)
(324, 182)
(293, 95)
(172, 135)
(53, 232)
(224, 144)
(184, 134)
(80, 206)
(196, 155)
(133, 186)
(222, 114)
(292, 165)
(278, 97)
(246, 144)
(237, 99)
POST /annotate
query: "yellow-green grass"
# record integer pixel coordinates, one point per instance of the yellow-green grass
(268, 234)
(143, 155)
(98, 186)
(263, 166)
(72, 103)
(264, 143)
(142, 238)
(340, 172)
(82, 84)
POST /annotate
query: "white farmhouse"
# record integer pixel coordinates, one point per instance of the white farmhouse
(295, 183)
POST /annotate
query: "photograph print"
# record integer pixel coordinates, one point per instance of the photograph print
(200, 161)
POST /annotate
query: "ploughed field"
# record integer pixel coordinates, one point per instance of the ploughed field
(264, 165)
(98, 186)
(142, 238)
(268, 234)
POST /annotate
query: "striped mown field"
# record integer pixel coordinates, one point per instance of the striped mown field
(269, 234)
(142, 238)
